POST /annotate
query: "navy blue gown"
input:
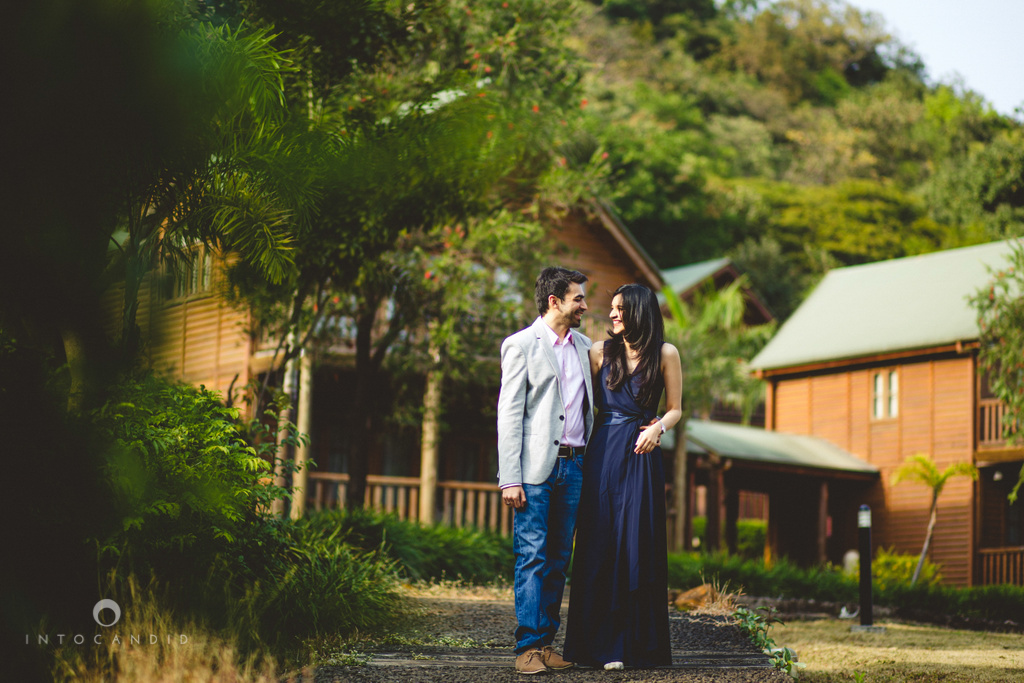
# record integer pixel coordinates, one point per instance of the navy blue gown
(618, 600)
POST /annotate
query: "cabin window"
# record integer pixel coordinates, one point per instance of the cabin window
(195, 277)
(885, 394)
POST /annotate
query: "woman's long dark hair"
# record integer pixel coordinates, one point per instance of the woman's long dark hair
(644, 329)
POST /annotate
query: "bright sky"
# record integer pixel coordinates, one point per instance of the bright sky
(981, 40)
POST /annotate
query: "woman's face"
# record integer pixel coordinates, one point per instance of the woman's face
(616, 315)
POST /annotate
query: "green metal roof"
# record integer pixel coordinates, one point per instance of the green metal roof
(776, 448)
(683, 278)
(909, 303)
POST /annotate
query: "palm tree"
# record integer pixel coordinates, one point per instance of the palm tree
(714, 344)
(922, 468)
(233, 180)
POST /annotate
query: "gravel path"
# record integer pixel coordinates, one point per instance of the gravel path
(469, 639)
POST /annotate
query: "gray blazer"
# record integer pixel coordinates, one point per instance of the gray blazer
(530, 420)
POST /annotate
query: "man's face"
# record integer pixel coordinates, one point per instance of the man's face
(572, 307)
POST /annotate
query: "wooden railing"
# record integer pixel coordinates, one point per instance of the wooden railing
(1001, 565)
(991, 412)
(474, 504)
(462, 503)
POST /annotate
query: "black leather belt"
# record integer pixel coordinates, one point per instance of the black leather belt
(570, 451)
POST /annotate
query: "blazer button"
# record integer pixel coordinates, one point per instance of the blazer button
(556, 442)
(561, 417)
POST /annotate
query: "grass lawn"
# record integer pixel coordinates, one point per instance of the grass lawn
(904, 652)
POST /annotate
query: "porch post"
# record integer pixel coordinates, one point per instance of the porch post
(713, 530)
(732, 515)
(823, 523)
(681, 494)
(304, 423)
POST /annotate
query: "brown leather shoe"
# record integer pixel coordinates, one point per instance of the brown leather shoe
(554, 661)
(531, 662)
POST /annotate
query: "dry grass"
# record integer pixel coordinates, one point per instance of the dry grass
(923, 654)
(164, 650)
(456, 590)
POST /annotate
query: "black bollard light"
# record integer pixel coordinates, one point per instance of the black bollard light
(864, 530)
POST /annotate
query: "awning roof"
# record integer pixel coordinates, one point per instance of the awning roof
(777, 449)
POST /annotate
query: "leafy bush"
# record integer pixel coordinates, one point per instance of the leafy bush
(750, 537)
(889, 568)
(182, 475)
(420, 552)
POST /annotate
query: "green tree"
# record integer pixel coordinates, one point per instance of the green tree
(808, 48)
(981, 193)
(921, 468)
(1000, 308)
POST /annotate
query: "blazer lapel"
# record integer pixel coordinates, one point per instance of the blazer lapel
(545, 346)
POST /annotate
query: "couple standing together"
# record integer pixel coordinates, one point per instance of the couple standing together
(564, 471)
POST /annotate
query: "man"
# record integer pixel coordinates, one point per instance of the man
(544, 420)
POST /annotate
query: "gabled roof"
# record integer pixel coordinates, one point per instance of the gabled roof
(628, 243)
(773, 449)
(918, 302)
(685, 281)
(685, 278)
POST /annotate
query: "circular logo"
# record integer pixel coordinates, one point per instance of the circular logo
(110, 605)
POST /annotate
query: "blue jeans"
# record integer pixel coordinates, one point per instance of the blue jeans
(542, 541)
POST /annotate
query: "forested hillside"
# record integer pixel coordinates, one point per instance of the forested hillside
(793, 136)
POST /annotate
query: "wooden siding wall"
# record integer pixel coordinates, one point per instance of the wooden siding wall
(198, 339)
(596, 254)
(934, 417)
(201, 340)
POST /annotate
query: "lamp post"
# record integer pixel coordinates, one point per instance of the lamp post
(866, 609)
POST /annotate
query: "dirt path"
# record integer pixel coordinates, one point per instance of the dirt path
(466, 636)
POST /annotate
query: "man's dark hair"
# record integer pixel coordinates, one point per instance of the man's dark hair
(555, 280)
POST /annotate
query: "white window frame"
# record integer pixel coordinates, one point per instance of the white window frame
(885, 394)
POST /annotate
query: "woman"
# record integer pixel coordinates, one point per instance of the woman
(618, 605)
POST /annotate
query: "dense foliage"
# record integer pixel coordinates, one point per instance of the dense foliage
(1000, 309)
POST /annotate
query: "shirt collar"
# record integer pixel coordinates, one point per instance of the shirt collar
(553, 336)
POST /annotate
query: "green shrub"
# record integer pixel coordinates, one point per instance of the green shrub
(184, 480)
(324, 586)
(422, 552)
(750, 537)
(889, 568)
(784, 578)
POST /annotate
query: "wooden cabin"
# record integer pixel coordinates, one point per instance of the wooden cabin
(881, 360)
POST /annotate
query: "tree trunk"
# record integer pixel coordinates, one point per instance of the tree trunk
(304, 424)
(288, 387)
(430, 439)
(927, 539)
